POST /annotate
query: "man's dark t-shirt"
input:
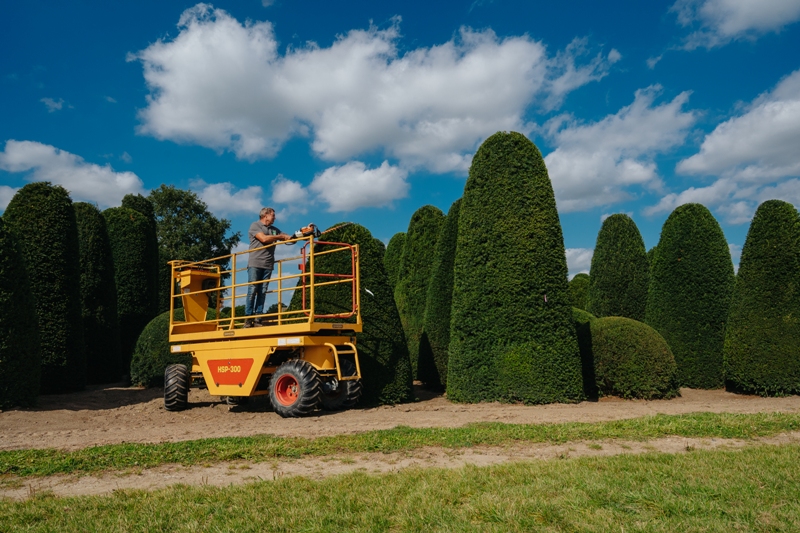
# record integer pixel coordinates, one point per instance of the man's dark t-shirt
(262, 258)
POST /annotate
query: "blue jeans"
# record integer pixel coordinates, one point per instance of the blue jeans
(254, 305)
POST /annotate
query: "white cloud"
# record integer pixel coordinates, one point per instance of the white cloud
(598, 163)
(84, 181)
(111, 100)
(723, 21)
(350, 186)
(653, 61)
(222, 198)
(579, 260)
(754, 156)
(6, 194)
(53, 105)
(225, 85)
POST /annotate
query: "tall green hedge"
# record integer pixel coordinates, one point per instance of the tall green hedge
(691, 281)
(632, 360)
(620, 273)
(435, 340)
(145, 206)
(762, 340)
(411, 290)
(98, 296)
(382, 349)
(582, 320)
(393, 257)
(43, 221)
(579, 290)
(511, 336)
(20, 360)
(134, 261)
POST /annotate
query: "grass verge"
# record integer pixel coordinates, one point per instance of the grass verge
(753, 489)
(265, 447)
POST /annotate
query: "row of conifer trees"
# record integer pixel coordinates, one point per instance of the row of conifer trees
(77, 286)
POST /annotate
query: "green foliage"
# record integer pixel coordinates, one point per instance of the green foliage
(632, 360)
(20, 359)
(511, 309)
(152, 354)
(186, 230)
(582, 320)
(691, 281)
(435, 340)
(382, 350)
(132, 252)
(620, 272)
(42, 220)
(144, 206)
(762, 339)
(392, 259)
(411, 290)
(579, 290)
(98, 296)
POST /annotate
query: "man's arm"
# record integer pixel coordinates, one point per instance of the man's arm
(269, 239)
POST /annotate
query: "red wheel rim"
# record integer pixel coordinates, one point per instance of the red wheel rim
(286, 389)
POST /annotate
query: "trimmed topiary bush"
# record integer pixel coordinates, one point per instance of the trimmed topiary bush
(619, 274)
(511, 335)
(581, 319)
(392, 259)
(632, 360)
(435, 340)
(98, 296)
(579, 290)
(132, 251)
(691, 281)
(411, 290)
(762, 338)
(152, 354)
(143, 205)
(20, 360)
(42, 220)
(382, 349)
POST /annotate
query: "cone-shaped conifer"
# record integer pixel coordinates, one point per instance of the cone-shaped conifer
(412, 285)
(511, 334)
(620, 274)
(132, 252)
(691, 281)
(393, 257)
(43, 221)
(435, 341)
(20, 361)
(579, 290)
(762, 339)
(98, 296)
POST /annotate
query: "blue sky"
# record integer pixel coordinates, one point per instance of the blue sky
(366, 111)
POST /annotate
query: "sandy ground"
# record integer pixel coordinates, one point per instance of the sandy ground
(117, 414)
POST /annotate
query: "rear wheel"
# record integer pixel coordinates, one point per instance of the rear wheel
(294, 390)
(345, 394)
(176, 387)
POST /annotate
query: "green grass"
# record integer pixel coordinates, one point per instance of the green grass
(264, 447)
(753, 489)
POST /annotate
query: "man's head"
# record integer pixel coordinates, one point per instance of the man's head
(267, 216)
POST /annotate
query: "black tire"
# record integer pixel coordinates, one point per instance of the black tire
(177, 379)
(346, 394)
(237, 400)
(294, 389)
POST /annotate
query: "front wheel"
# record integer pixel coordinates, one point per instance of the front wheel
(177, 379)
(294, 390)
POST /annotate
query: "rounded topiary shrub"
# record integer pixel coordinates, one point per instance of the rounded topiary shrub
(762, 339)
(632, 360)
(382, 349)
(98, 296)
(620, 273)
(435, 340)
(20, 360)
(42, 220)
(152, 354)
(691, 281)
(579, 290)
(511, 313)
(393, 257)
(411, 290)
(129, 232)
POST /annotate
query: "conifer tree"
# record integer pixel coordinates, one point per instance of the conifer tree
(393, 257)
(579, 290)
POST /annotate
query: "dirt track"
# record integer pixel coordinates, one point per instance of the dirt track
(115, 414)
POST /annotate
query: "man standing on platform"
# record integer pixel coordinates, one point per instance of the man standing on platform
(260, 263)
